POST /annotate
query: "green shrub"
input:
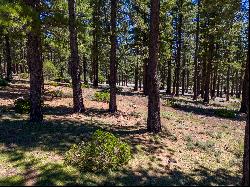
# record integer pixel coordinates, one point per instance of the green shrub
(61, 79)
(52, 83)
(225, 113)
(202, 145)
(102, 97)
(22, 106)
(49, 70)
(171, 103)
(56, 93)
(3, 82)
(167, 115)
(24, 75)
(85, 85)
(101, 79)
(103, 152)
(118, 89)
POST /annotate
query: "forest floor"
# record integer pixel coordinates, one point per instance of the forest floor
(200, 144)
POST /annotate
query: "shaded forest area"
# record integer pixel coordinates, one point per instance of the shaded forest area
(135, 92)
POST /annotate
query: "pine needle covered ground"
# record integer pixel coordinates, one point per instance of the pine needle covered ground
(200, 145)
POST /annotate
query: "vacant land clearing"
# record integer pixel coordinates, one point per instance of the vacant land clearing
(200, 145)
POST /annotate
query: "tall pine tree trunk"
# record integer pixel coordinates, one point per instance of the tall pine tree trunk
(195, 89)
(236, 84)
(209, 65)
(84, 61)
(154, 121)
(218, 86)
(179, 44)
(183, 74)
(145, 77)
(169, 77)
(243, 107)
(113, 65)
(214, 81)
(96, 40)
(34, 59)
(228, 79)
(136, 75)
(245, 179)
(74, 59)
(8, 58)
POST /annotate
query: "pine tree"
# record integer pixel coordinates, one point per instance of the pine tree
(154, 120)
(74, 60)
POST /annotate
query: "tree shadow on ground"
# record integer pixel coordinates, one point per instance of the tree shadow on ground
(37, 173)
(201, 176)
(211, 112)
(131, 93)
(19, 136)
(58, 110)
(59, 135)
(13, 92)
(56, 135)
(199, 108)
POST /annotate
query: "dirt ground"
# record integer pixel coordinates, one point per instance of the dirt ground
(196, 147)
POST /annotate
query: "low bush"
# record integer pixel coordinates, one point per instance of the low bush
(56, 93)
(22, 106)
(53, 83)
(61, 79)
(85, 85)
(24, 75)
(101, 79)
(171, 103)
(225, 113)
(103, 152)
(102, 97)
(118, 89)
(3, 82)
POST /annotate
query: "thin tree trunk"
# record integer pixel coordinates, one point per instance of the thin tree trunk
(179, 44)
(145, 77)
(228, 79)
(221, 87)
(233, 84)
(74, 59)
(174, 82)
(96, 40)
(204, 72)
(8, 58)
(236, 84)
(243, 107)
(183, 75)
(113, 65)
(84, 61)
(245, 179)
(136, 75)
(218, 86)
(154, 121)
(187, 87)
(208, 71)
(169, 78)
(214, 81)
(34, 55)
(195, 89)
(241, 80)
